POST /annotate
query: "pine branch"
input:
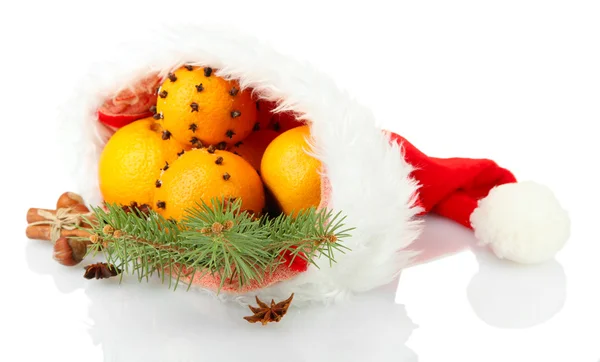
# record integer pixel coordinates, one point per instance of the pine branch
(217, 239)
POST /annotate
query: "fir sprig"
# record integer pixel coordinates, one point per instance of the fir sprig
(217, 239)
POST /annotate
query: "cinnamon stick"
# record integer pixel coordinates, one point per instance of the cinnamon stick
(42, 232)
(34, 216)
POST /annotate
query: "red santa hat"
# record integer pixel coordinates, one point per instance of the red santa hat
(379, 180)
(520, 221)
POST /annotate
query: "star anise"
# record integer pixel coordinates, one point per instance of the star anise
(265, 313)
(100, 271)
(139, 210)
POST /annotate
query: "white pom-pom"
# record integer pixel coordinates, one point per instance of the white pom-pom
(522, 222)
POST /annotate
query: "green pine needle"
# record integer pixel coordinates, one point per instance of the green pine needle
(215, 239)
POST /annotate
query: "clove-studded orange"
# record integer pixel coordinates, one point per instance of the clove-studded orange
(205, 174)
(132, 161)
(290, 173)
(199, 108)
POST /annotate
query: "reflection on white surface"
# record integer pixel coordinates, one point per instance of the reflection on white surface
(38, 255)
(502, 293)
(507, 295)
(146, 322)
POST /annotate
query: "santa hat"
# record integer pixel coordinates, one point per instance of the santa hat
(520, 221)
(380, 181)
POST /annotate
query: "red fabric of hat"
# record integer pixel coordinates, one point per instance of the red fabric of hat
(451, 187)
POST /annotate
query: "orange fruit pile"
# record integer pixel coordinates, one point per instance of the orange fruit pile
(209, 139)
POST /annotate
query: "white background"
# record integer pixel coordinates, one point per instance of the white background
(517, 81)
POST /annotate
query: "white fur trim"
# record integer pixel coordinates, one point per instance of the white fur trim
(369, 177)
(522, 222)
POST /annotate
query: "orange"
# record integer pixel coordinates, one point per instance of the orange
(201, 109)
(204, 174)
(132, 161)
(290, 174)
(252, 148)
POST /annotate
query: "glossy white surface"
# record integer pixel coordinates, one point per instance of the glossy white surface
(515, 81)
(463, 304)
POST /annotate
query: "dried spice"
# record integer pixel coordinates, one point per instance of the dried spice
(163, 94)
(180, 153)
(234, 91)
(199, 87)
(229, 133)
(101, 271)
(166, 135)
(235, 114)
(158, 184)
(193, 127)
(188, 67)
(219, 160)
(161, 204)
(194, 106)
(221, 146)
(226, 176)
(139, 210)
(265, 313)
(158, 116)
(207, 71)
(69, 252)
(172, 77)
(166, 166)
(211, 149)
(153, 109)
(196, 142)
